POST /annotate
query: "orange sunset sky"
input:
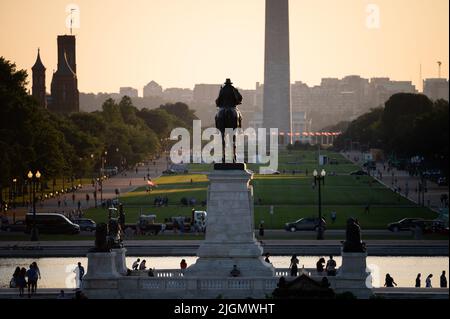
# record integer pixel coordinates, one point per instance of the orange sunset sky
(179, 43)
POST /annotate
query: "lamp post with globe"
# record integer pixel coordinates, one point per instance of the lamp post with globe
(319, 179)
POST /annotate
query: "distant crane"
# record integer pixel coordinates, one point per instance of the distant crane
(439, 63)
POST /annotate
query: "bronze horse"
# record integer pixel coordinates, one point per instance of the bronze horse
(228, 116)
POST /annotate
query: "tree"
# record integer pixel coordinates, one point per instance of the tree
(181, 111)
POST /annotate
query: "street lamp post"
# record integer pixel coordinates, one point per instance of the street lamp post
(14, 192)
(34, 180)
(318, 180)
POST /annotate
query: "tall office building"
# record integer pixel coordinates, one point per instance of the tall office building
(277, 111)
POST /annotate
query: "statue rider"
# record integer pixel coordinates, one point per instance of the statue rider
(228, 116)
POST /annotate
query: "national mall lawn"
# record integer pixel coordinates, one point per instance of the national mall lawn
(291, 194)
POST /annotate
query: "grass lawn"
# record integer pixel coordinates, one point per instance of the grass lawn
(292, 195)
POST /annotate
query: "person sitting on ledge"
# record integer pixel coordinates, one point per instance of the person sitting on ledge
(235, 272)
(151, 273)
(267, 260)
(136, 264)
(320, 266)
(142, 266)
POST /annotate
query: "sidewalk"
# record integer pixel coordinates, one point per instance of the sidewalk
(408, 184)
(124, 182)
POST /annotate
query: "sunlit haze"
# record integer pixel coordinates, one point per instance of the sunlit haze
(179, 43)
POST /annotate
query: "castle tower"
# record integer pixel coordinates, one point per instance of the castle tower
(65, 95)
(38, 89)
(277, 112)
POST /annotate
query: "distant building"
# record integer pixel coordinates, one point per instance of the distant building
(336, 100)
(381, 89)
(128, 91)
(178, 95)
(64, 87)
(38, 89)
(436, 89)
(153, 89)
(206, 93)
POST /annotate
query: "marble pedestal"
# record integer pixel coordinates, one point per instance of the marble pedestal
(101, 279)
(120, 260)
(230, 238)
(354, 276)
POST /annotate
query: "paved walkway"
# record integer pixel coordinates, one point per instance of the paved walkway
(408, 185)
(125, 182)
(190, 247)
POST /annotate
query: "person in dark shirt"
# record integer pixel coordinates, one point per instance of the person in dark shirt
(320, 265)
(443, 280)
(389, 282)
(418, 281)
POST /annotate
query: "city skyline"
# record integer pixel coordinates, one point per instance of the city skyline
(188, 54)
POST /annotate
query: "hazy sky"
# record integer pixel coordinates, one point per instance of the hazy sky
(180, 43)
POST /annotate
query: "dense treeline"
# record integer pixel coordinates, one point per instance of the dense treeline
(74, 146)
(409, 125)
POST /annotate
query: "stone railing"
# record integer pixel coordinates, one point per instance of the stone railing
(182, 283)
(177, 273)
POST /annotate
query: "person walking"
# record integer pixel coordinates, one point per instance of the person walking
(183, 266)
(428, 283)
(333, 217)
(261, 230)
(80, 274)
(389, 281)
(294, 266)
(443, 280)
(15, 276)
(331, 267)
(21, 281)
(32, 276)
(418, 281)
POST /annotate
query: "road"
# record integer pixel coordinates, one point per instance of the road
(408, 185)
(124, 182)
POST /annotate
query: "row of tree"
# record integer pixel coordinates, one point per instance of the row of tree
(75, 146)
(408, 125)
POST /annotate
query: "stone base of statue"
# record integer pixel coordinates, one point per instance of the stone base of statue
(121, 265)
(353, 275)
(101, 279)
(230, 239)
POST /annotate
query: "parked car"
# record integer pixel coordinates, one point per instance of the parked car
(432, 226)
(359, 173)
(403, 225)
(442, 181)
(305, 224)
(85, 224)
(47, 223)
(169, 172)
(18, 226)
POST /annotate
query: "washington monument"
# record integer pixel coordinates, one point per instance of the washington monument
(277, 82)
